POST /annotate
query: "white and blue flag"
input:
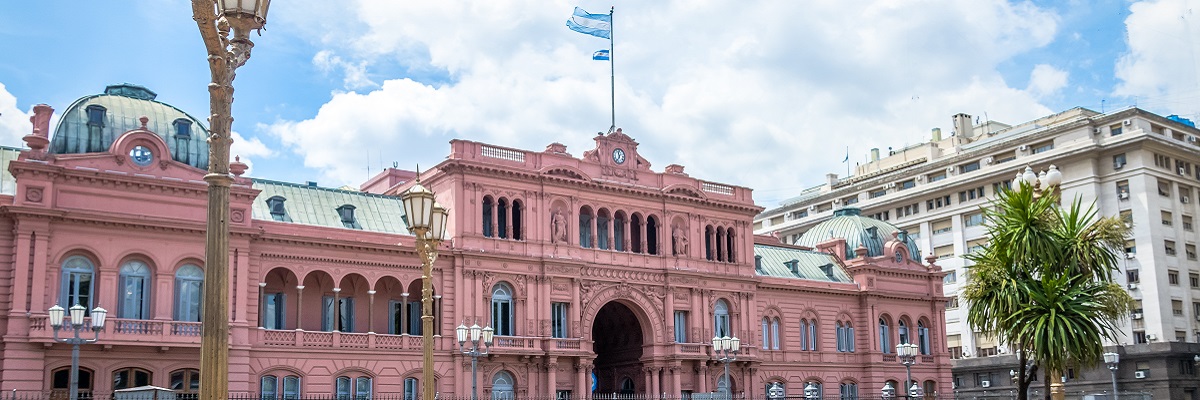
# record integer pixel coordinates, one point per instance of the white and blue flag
(599, 25)
(600, 55)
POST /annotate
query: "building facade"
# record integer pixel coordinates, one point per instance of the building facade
(598, 274)
(1130, 162)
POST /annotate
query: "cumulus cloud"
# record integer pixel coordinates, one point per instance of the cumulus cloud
(1045, 80)
(14, 123)
(354, 75)
(249, 149)
(1160, 70)
(769, 99)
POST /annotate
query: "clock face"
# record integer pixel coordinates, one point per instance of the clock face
(899, 257)
(619, 156)
(141, 155)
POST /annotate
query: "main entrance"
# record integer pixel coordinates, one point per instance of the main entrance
(618, 346)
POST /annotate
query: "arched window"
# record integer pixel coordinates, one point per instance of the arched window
(502, 310)
(189, 285)
(635, 233)
(585, 227)
(77, 282)
(60, 382)
(619, 222)
(517, 211)
(721, 319)
(840, 336)
(812, 335)
(186, 383)
(709, 254)
(502, 217)
(923, 337)
(930, 388)
(503, 386)
(353, 388)
(135, 287)
(885, 336)
(720, 244)
(412, 388)
(848, 391)
(126, 378)
(849, 333)
(820, 390)
(729, 254)
(627, 385)
(602, 229)
(803, 337)
(725, 385)
(766, 337)
(488, 216)
(775, 334)
(268, 387)
(902, 332)
(651, 235)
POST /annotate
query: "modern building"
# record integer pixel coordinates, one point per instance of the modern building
(1130, 162)
(598, 274)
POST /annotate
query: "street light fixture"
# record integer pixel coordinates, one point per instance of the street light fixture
(226, 53)
(726, 350)
(475, 336)
(76, 325)
(1113, 360)
(427, 221)
(888, 392)
(907, 354)
(1046, 180)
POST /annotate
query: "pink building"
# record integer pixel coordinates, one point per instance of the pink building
(595, 271)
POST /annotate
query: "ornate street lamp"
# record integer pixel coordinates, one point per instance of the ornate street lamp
(225, 54)
(907, 354)
(726, 350)
(811, 392)
(475, 336)
(427, 221)
(1112, 360)
(888, 392)
(1041, 182)
(76, 325)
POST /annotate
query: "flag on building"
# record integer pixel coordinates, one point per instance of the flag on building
(598, 25)
(600, 55)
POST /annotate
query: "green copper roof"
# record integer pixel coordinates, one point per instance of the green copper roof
(313, 205)
(848, 223)
(775, 261)
(122, 106)
(8, 184)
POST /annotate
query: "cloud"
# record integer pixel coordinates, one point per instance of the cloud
(1160, 70)
(1045, 80)
(354, 75)
(770, 99)
(14, 123)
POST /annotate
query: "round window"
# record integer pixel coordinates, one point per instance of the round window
(141, 155)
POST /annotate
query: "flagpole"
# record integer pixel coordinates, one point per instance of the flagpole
(612, 76)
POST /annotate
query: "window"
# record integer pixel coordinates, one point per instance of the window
(1186, 367)
(775, 334)
(969, 167)
(1123, 190)
(518, 230)
(1194, 280)
(951, 277)
(189, 285)
(976, 245)
(183, 128)
(940, 227)
(812, 335)
(344, 314)
(488, 216)
(681, 327)
(585, 227)
(937, 177)
(1130, 247)
(848, 391)
(412, 388)
(502, 310)
(274, 310)
(721, 318)
(61, 382)
(277, 208)
(1169, 247)
(883, 216)
(1002, 185)
(938, 202)
(1044, 147)
(358, 388)
(185, 383)
(135, 301)
(558, 320)
(1119, 161)
(126, 378)
(1115, 129)
(1162, 161)
(766, 336)
(909, 184)
(76, 282)
(503, 387)
(270, 390)
(943, 252)
(1173, 277)
(885, 337)
(95, 115)
(346, 213)
(902, 332)
(923, 337)
(850, 200)
(502, 218)
(973, 219)
(952, 303)
(1166, 218)
(1177, 308)
(1187, 223)
(908, 210)
(1190, 249)
(878, 193)
(845, 337)
(1164, 188)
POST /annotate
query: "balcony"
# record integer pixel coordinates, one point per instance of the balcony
(342, 340)
(118, 330)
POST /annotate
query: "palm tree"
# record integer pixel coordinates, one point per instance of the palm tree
(1044, 281)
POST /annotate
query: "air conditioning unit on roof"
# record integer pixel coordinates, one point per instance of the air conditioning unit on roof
(1024, 147)
(1096, 130)
(1123, 195)
(1127, 122)
(1136, 315)
(1151, 337)
(1185, 199)
(985, 383)
(1133, 286)
(1139, 374)
(1192, 139)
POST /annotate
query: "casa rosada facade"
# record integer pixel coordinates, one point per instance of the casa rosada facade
(598, 274)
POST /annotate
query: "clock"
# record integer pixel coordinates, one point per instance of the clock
(899, 256)
(141, 155)
(619, 156)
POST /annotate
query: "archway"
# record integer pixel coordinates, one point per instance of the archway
(618, 340)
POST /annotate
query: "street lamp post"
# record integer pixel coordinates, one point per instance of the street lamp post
(1112, 360)
(907, 353)
(76, 325)
(427, 221)
(726, 350)
(216, 19)
(888, 392)
(475, 336)
(1047, 180)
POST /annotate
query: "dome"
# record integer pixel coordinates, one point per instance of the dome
(848, 223)
(92, 123)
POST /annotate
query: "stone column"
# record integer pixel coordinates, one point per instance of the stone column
(645, 231)
(576, 330)
(650, 384)
(702, 370)
(676, 386)
(719, 246)
(403, 314)
(551, 376)
(337, 311)
(262, 304)
(669, 307)
(299, 307)
(656, 381)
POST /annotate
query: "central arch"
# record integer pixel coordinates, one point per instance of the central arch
(618, 337)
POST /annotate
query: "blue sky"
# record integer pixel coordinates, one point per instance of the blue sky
(765, 94)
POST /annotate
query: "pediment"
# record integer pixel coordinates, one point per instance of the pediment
(684, 190)
(566, 172)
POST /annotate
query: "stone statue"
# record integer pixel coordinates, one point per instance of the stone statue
(680, 241)
(558, 229)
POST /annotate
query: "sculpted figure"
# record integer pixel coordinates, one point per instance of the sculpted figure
(680, 240)
(558, 228)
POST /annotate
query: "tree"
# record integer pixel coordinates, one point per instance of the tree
(1044, 282)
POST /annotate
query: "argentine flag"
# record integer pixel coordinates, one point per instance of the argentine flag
(600, 55)
(599, 25)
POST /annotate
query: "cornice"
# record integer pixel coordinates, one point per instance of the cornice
(121, 180)
(339, 261)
